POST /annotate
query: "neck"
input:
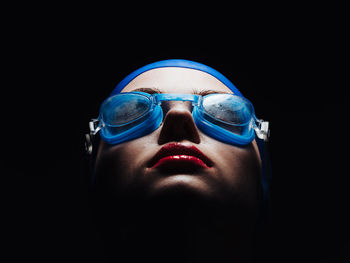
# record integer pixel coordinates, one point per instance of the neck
(179, 232)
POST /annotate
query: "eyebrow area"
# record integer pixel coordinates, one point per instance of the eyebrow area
(201, 93)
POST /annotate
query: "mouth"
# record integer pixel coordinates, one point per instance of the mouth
(179, 156)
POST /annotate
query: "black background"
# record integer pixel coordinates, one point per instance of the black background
(57, 75)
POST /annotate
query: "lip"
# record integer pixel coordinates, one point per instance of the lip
(177, 155)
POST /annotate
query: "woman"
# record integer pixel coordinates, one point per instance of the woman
(178, 175)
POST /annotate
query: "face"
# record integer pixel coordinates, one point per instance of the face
(223, 173)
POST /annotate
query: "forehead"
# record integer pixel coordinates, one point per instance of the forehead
(176, 80)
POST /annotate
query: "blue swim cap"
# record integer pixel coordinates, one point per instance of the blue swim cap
(179, 63)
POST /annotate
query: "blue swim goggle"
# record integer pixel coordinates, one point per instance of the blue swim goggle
(226, 117)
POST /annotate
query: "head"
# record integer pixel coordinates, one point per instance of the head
(177, 165)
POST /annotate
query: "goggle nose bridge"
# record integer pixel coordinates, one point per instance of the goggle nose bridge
(166, 100)
(160, 97)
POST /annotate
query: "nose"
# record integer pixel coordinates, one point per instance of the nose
(178, 124)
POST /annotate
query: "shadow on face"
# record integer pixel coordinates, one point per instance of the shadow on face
(140, 190)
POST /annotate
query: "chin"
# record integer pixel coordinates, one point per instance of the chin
(184, 196)
(181, 186)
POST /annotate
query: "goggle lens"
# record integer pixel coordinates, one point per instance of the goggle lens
(229, 112)
(230, 109)
(122, 109)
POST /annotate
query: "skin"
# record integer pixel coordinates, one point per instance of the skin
(231, 184)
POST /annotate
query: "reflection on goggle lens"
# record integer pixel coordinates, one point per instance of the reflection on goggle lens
(227, 108)
(228, 112)
(123, 108)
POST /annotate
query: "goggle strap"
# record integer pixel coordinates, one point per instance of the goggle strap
(94, 126)
(262, 130)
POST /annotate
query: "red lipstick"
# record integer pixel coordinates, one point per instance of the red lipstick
(177, 155)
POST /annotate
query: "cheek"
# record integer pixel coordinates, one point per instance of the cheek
(109, 161)
(239, 170)
(119, 166)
